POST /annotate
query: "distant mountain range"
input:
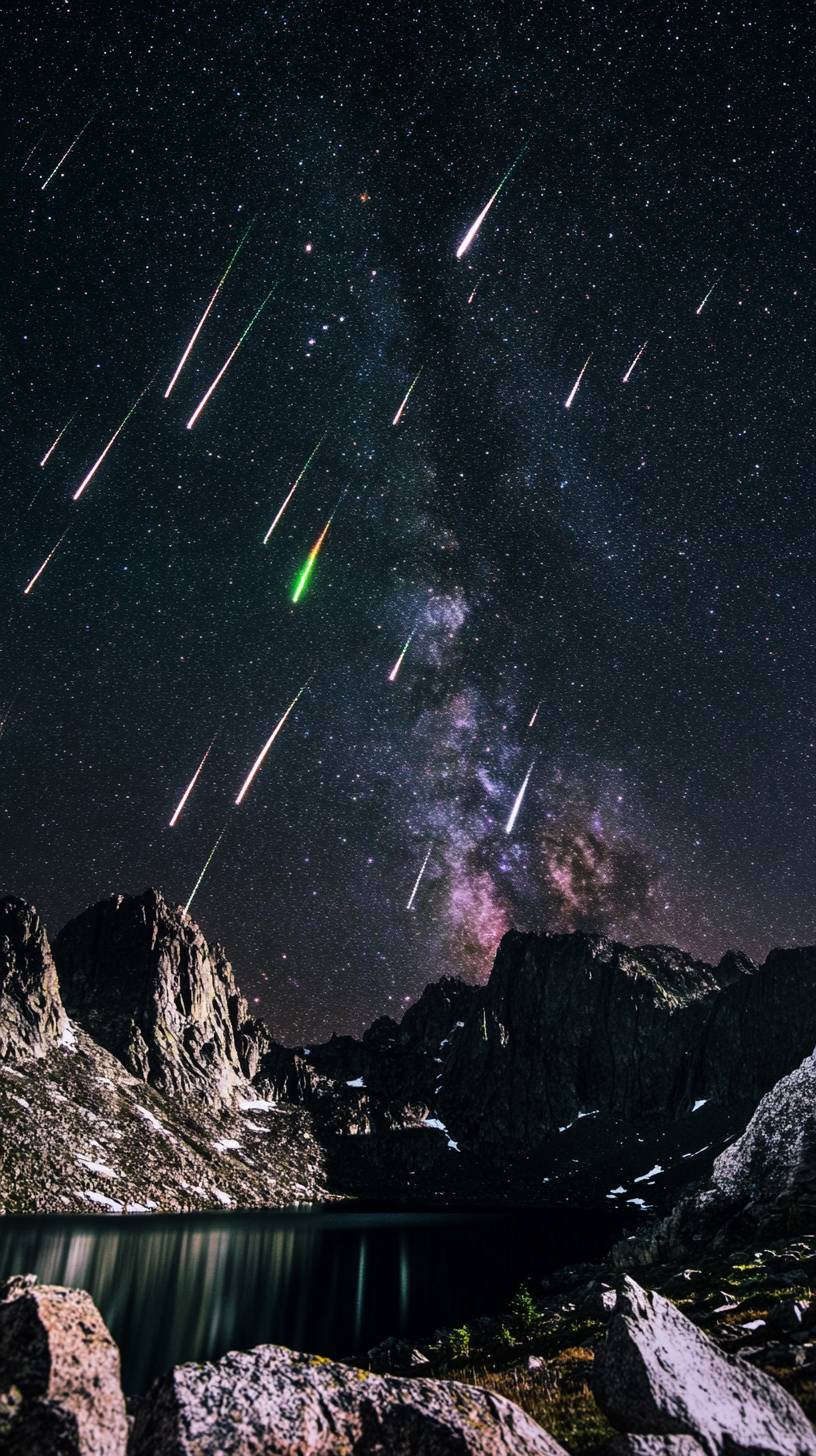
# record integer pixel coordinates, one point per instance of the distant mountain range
(133, 1078)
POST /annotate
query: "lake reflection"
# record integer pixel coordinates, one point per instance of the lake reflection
(330, 1281)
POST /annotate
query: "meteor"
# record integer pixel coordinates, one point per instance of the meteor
(199, 326)
(628, 373)
(52, 553)
(225, 366)
(92, 472)
(570, 397)
(66, 155)
(294, 487)
(392, 676)
(514, 812)
(303, 579)
(532, 721)
(400, 411)
(207, 863)
(409, 906)
(474, 227)
(270, 740)
(707, 297)
(8, 712)
(189, 789)
(49, 452)
(472, 294)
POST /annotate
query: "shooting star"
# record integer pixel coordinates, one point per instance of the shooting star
(303, 579)
(8, 712)
(207, 863)
(401, 410)
(570, 397)
(392, 676)
(49, 452)
(199, 326)
(517, 803)
(225, 366)
(31, 153)
(294, 488)
(189, 789)
(92, 472)
(66, 155)
(532, 721)
(52, 553)
(700, 308)
(472, 294)
(409, 906)
(627, 376)
(474, 227)
(270, 740)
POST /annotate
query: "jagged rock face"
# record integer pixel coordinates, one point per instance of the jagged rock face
(32, 1017)
(140, 977)
(274, 1401)
(569, 1024)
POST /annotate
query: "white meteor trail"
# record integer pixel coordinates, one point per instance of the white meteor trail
(199, 326)
(52, 553)
(92, 472)
(532, 721)
(49, 452)
(392, 676)
(472, 294)
(294, 488)
(207, 863)
(225, 366)
(270, 740)
(400, 411)
(570, 397)
(66, 155)
(514, 812)
(474, 227)
(701, 306)
(409, 906)
(628, 373)
(189, 789)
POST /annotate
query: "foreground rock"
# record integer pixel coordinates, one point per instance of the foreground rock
(658, 1375)
(32, 1018)
(273, 1401)
(59, 1374)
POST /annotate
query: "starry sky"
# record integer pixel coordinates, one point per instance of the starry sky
(638, 567)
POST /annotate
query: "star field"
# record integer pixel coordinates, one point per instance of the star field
(640, 565)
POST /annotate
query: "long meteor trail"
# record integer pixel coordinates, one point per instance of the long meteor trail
(517, 803)
(474, 227)
(401, 410)
(294, 488)
(627, 376)
(570, 397)
(189, 789)
(410, 904)
(270, 740)
(701, 306)
(38, 573)
(51, 448)
(92, 472)
(308, 567)
(66, 155)
(392, 676)
(207, 863)
(225, 366)
(199, 326)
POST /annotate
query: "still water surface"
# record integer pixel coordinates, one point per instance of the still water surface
(330, 1281)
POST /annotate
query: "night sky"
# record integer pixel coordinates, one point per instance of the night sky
(640, 565)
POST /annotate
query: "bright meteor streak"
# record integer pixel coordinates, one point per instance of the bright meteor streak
(49, 452)
(400, 411)
(207, 863)
(52, 553)
(225, 366)
(532, 721)
(294, 488)
(570, 397)
(302, 581)
(392, 676)
(474, 227)
(707, 297)
(199, 326)
(66, 155)
(92, 472)
(628, 373)
(514, 812)
(270, 740)
(409, 906)
(189, 789)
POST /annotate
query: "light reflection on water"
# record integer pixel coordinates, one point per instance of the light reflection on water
(331, 1281)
